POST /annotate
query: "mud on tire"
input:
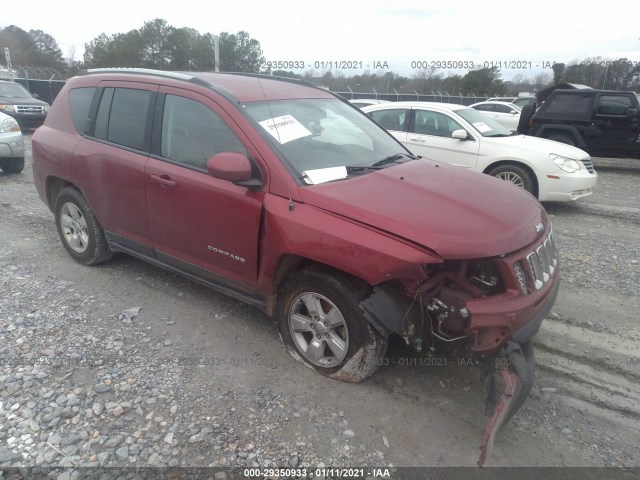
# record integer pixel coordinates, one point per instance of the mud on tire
(318, 313)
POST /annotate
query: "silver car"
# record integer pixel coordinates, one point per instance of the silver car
(11, 145)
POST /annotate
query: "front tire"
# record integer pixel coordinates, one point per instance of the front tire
(79, 230)
(322, 325)
(514, 174)
(12, 165)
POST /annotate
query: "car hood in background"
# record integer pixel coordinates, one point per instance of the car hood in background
(22, 101)
(457, 213)
(536, 145)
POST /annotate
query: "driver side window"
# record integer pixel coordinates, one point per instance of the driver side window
(192, 133)
(435, 124)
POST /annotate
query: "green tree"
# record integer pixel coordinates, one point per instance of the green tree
(240, 53)
(484, 80)
(48, 51)
(24, 51)
(155, 46)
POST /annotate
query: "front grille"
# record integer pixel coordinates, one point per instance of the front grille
(588, 164)
(538, 267)
(30, 109)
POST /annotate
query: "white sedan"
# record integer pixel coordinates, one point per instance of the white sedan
(462, 136)
(505, 113)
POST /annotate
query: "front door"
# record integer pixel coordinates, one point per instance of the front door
(430, 136)
(200, 223)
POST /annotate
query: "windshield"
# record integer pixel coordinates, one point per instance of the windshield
(483, 124)
(315, 134)
(13, 90)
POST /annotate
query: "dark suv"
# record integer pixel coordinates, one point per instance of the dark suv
(16, 101)
(603, 123)
(285, 196)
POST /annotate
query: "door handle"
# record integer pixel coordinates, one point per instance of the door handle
(163, 180)
(417, 139)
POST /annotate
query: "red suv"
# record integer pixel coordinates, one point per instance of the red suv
(285, 196)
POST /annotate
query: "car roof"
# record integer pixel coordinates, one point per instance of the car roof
(414, 104)
(243, 87)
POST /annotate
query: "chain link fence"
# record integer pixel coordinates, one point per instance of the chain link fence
(460, 98)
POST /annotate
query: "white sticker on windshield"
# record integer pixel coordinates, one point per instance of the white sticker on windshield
(285, 128)
(482, 127)
(321, 175)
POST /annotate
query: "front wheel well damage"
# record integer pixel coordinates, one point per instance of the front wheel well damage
(424, 312)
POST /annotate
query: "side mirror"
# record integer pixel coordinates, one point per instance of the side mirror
(631, 112)
(35, 95)
(460, 134)
(513, 112)
(233, 167)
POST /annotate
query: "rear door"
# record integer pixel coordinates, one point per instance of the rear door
(199, 223)
(619, 133)
(109, 162)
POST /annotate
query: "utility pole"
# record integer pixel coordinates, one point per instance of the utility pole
(216, 52)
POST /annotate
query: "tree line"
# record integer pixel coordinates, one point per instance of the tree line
(159, 45)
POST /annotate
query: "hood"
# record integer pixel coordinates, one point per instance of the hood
(22, 101)
(536, 146)
(457, 213)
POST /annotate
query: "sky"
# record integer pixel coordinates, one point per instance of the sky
(529, 35)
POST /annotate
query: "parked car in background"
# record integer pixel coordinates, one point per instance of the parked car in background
(16, 101)
(519, 101)
(252, 186)
(506, 114)
(604, 123)
(365, 102)
(522, 101)
(468, 138)
(11, 145)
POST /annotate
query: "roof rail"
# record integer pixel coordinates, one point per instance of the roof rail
(300, 81)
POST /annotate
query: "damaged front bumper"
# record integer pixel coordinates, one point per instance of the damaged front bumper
(499, 329)
(514, 370)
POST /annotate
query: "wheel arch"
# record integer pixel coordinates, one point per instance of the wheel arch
(53, 187)
(547, 131)
(517, 163)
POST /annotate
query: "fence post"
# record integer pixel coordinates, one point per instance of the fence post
(397, 96)
(417, 95)
(51, 89)
(376, 93)
(350, 91)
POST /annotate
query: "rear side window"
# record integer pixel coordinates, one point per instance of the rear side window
(571, 103)
(80, 102)
(613, 104)
(192, 133)
(392, 119)
(125, 123)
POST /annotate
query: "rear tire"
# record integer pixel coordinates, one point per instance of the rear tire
(12, 165)
(514, 174)
(322, 325)
(79, 230)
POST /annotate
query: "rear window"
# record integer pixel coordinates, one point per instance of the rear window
(125, 122)
(570, 104)
(80, 103)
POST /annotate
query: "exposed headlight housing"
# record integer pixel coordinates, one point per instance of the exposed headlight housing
(7, 108)
(9, 125)
(569, 165)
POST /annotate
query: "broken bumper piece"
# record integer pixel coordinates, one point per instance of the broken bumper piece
(515, 375)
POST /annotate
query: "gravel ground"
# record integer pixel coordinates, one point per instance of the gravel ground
(127, 365)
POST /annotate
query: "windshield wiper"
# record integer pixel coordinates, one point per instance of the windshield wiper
(392, 158)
